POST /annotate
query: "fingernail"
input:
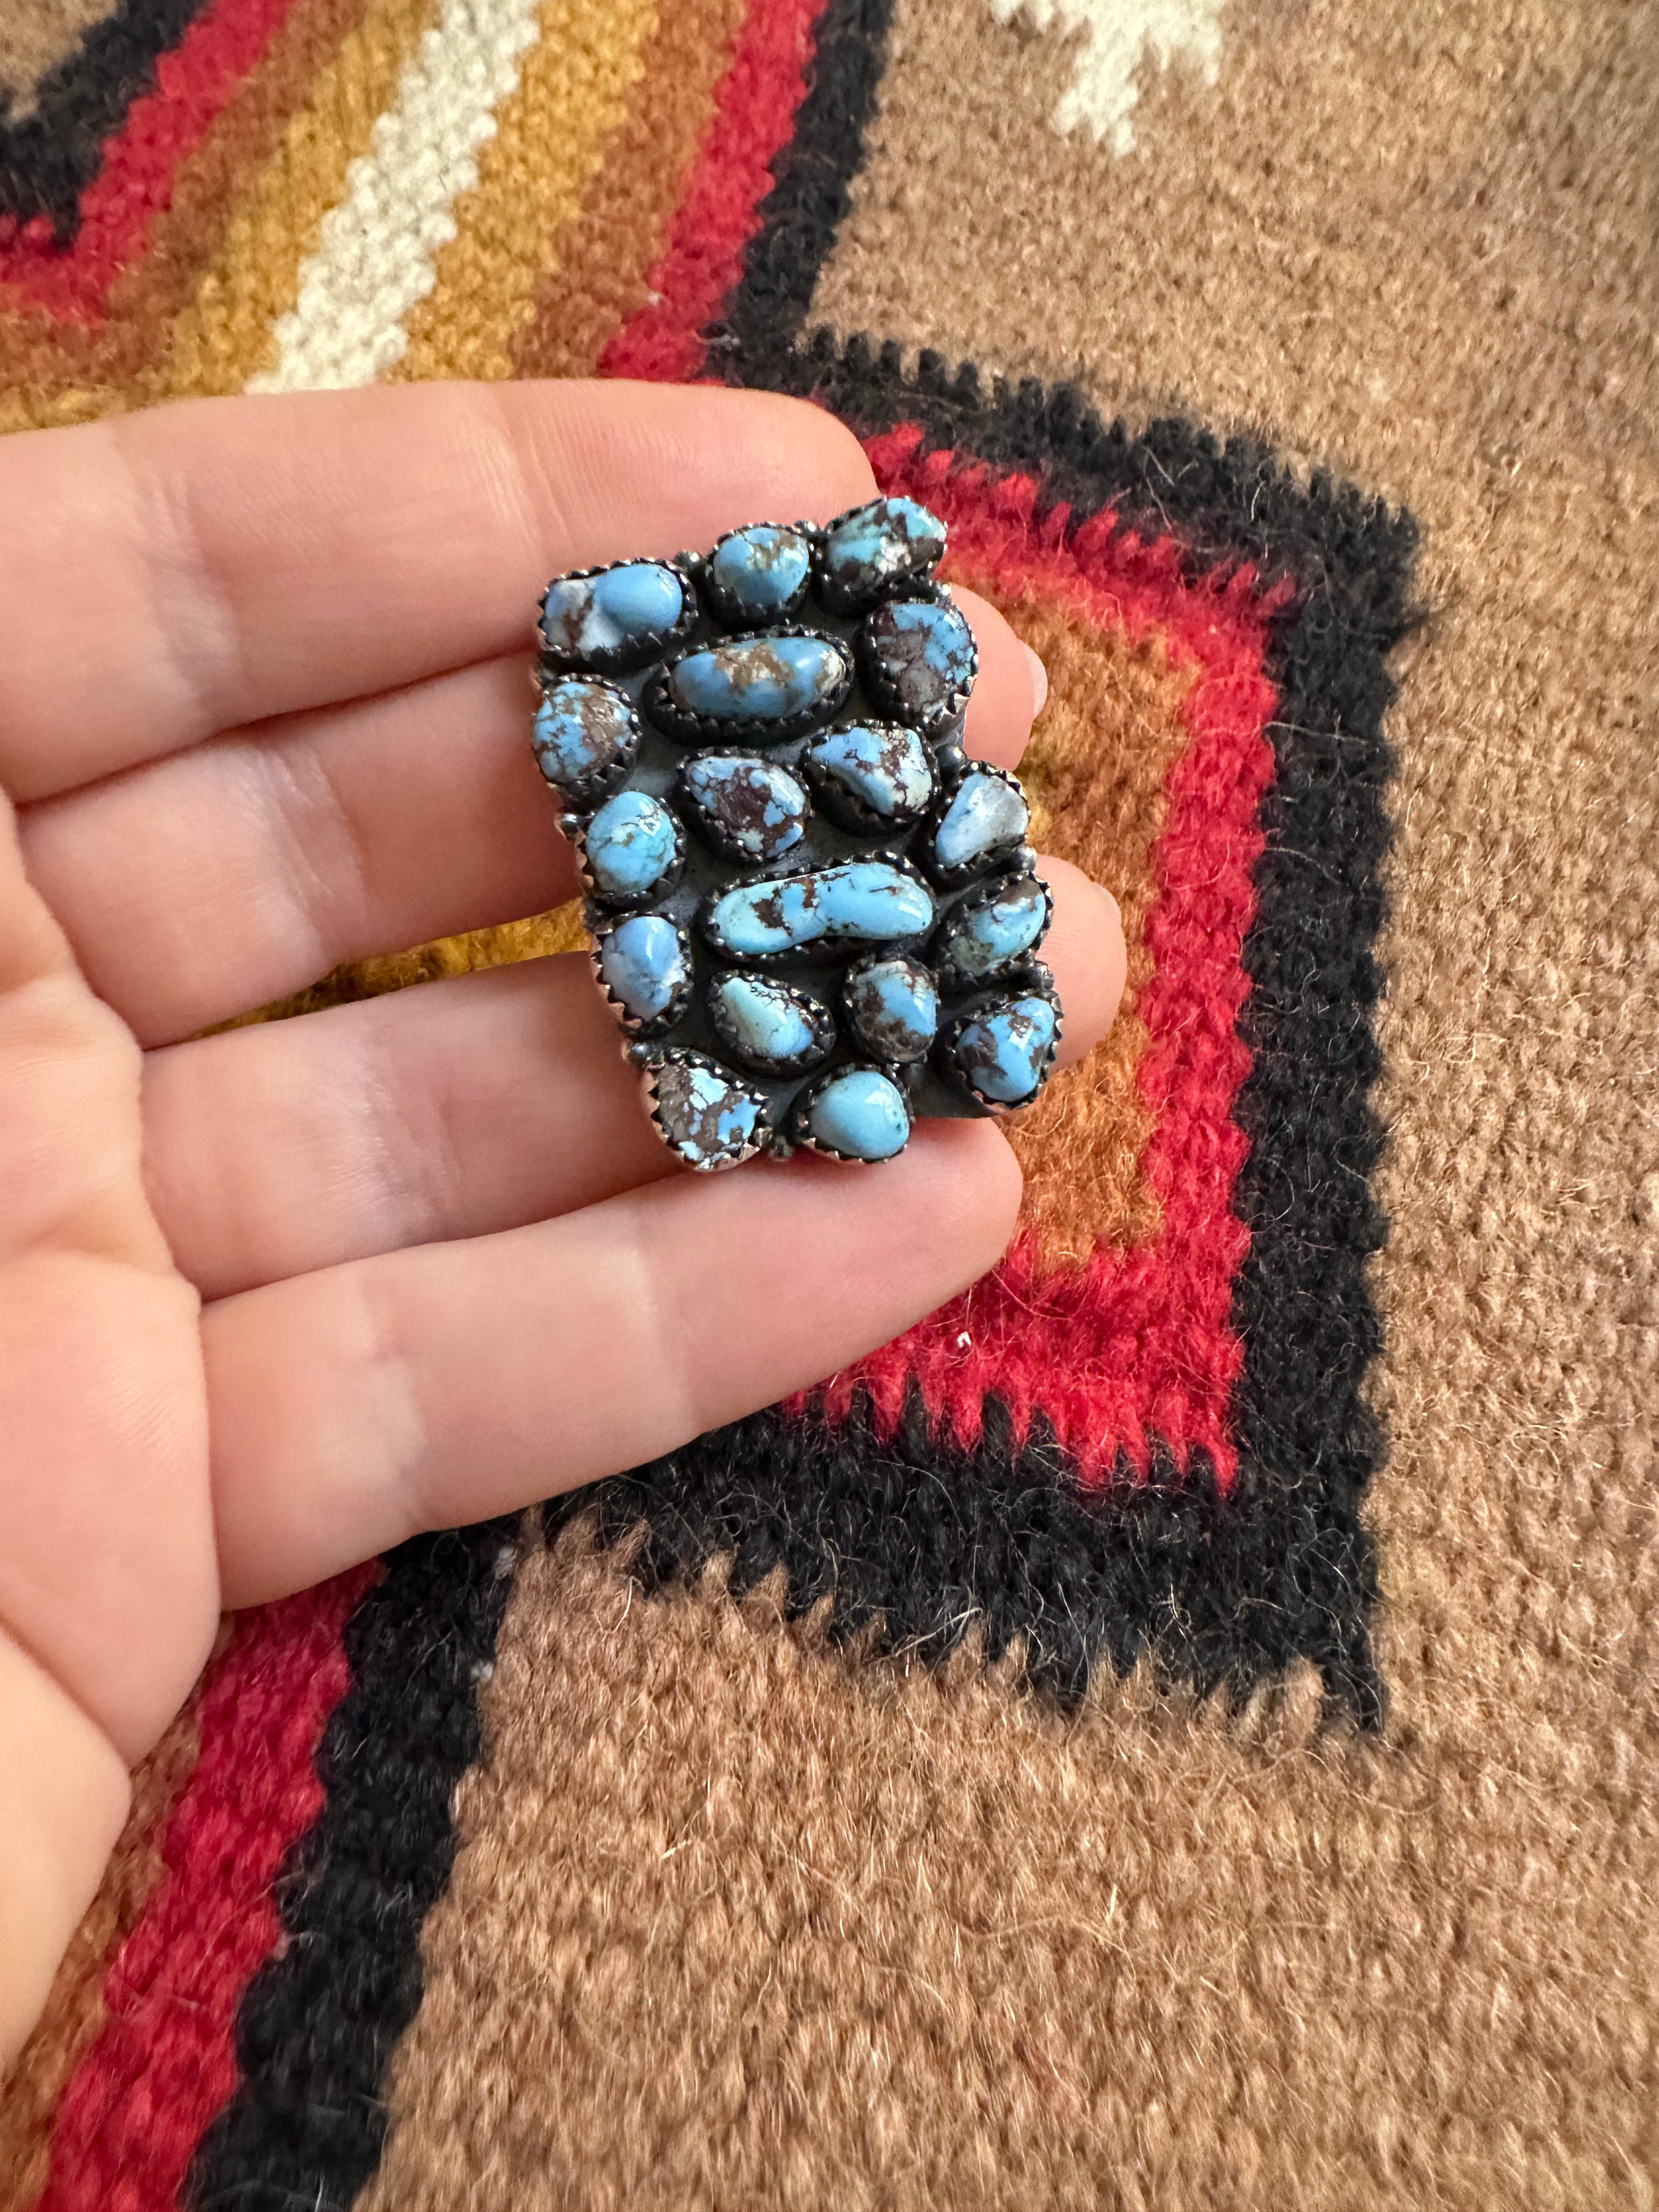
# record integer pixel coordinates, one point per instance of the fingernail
(1039, 684)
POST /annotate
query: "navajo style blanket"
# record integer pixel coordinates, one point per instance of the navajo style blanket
(1178, 1729)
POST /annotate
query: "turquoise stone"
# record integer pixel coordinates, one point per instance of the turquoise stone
(986, 814)
(620, 618)
(586, 737)
(919, 660)
(706, 1116)
(857, 901)
(749, 809)
(644, 962)
(758, 575)
(982, 938)
(893, 1008)
(889, 541)
(859, 1113)
(1002, 1052)
(631, 844)
(764, 687)
(769, 1028)
(882, 770)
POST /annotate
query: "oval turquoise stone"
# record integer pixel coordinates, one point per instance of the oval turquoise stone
(857, 901)
(586, 736)
(919, 660)
(888, 541)
(1002, 1053)
(747, 807)
(631, 845)
(620, 618)
(893, 1008)
(762, 686)
(706, 1116)
(885, 767)
(986, 816)
(859, 1114)
(759, 574)
(984, 938)
(769, 1027)
(644, 962)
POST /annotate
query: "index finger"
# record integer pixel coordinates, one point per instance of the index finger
(171, 575)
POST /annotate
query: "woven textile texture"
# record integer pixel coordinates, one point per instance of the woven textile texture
(1178, 1729)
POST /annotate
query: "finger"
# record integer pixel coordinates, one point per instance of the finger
(225, 876)
(437, 1386)
(170, 574)
(465, 1107)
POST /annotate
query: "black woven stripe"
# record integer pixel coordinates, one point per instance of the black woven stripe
(49, 156)
(318, 2022)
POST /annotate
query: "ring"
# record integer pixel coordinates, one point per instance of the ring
(815, 918)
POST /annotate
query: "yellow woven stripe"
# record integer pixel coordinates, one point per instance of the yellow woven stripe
(550, 138)
(227, 333)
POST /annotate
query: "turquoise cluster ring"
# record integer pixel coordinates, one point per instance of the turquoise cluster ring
(815, 918)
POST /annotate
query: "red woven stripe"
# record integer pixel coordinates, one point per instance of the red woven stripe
(1138, 1347)
(754, 114)
(192, 85)
(164, 2063)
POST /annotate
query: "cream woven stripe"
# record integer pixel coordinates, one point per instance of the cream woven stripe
(375, 255)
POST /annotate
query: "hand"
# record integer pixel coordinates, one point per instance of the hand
(270, 1301)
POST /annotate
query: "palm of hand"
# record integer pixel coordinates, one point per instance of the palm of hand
(273, 1299)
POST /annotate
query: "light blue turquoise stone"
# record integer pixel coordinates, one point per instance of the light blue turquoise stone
(893, 1008)
(705, 1116)
(887, 767)
(624, 614)
(859, 902)
(1002, 1052)
(750, 804)
(768, 1026)
(760, 570)
(888, 538)
(752, 681)
(631, 844)
(981, 938)
(925, 650)
(985, 816)
(583, 733)
(859, 1113)
(643, 963)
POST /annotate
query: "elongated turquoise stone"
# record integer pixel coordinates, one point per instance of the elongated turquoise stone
(586, 736)
(706, 1116)
(857, 901)
(769, 1028)
(759, 574)
(750, 807)
(620, 618)
(888, 541)
(893, 1008)
(645, 962)
(982, 938)
(919, 659)
(631, 844)
(859, 1113)
(884, 767)
(1002, 1052)
(749, 682)
(986, 816)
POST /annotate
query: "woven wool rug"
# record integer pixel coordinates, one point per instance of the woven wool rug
(1178, 1729)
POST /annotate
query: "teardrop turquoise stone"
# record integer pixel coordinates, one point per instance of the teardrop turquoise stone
(631, 845)
(706, 1116)
(644, 962)
(751, 806)
(866, 551)
(919, 659)
(893, 1008)
(887, 768)
(860, 1113)
(621, 618)
(986, 816)
(761, 572)
(586, 735)
(769, 1027)
(763, 686)
(1002, 1052)
(983, 938)
(857, 901)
